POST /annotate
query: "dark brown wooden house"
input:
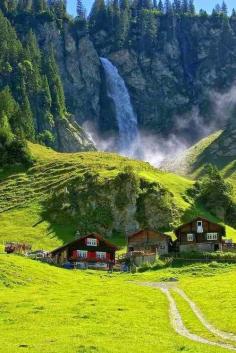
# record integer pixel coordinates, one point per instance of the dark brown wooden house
(200, 235)
(149, 241)
(90, 251)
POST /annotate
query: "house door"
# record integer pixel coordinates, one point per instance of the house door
(216, 247)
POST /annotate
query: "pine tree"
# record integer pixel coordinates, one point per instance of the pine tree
(148, 30)
(55, 85)
(58, 7)
(177, 6)
(217, 9)
(191, 7)
(10, 46)
(184, 6)
(39, 6)
(203, 13)
(167, 6)
(80, 9)
(147, 4)
(26, 116)
(8, 5)
(97, 17)
(24, 5)
(110, 16)
(224, 9)
(124, 5)
(233, 13)
(122, 28)
(160, 6)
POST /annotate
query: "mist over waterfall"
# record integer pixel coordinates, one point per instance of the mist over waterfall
(125, 115)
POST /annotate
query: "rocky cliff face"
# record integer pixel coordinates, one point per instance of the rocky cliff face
(171, 87)
(79, 66)
(123, 205)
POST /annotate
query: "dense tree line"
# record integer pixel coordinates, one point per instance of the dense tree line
(125, 18)
(58, 7)
(31, 94)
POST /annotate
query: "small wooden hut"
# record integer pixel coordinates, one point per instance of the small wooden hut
(150, 242)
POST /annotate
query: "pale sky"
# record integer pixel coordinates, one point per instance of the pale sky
(205, 4)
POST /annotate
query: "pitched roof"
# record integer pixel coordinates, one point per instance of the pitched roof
(97, 236)
(163, 235)
(199, 218)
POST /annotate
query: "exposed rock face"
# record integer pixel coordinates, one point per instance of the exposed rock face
(191, 59)
(79, 65)
(72, 138)
(120, 205)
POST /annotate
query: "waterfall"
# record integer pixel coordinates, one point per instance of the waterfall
(125, 115)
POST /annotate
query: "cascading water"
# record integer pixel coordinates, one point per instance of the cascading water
(125, 115)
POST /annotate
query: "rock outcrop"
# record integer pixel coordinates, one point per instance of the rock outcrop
(79, 66)
(122, 205)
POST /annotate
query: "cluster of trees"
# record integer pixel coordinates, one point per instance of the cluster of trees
(31, 93)
(57, 7)
(124, 18)
(216, 194)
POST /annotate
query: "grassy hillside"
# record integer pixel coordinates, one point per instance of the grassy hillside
(24, 193)
(213, 149)
(47, 309)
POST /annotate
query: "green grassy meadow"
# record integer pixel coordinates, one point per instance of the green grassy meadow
(45, 309)
(48, 309)
(197, 156)
(24, 192)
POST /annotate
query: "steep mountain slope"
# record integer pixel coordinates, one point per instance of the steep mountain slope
(173, 63)
(32, 101)
(218, 149)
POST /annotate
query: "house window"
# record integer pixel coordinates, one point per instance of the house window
(190, 237)
(92, 242)
(212, 236)
(101, 255)
(82, 254)
(199, 227)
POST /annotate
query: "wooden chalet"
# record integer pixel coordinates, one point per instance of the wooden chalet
(200, 235)
(150, 242)
(90, 251)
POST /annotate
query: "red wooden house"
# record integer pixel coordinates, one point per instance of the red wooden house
(90, 251)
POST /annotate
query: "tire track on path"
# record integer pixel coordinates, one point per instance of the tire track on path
(202, 319)
(177, 321)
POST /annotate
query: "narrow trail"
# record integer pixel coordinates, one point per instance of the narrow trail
(201, 317)
(176, 319)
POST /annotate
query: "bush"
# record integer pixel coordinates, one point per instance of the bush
(218, 255)
(15, 152)
(157, 265)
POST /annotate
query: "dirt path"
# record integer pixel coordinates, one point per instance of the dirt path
(201, 317)
(176, 319)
